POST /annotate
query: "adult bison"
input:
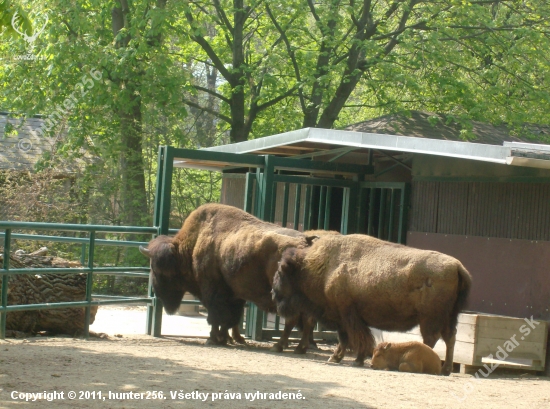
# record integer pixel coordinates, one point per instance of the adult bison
(356, 281)
(223, 256)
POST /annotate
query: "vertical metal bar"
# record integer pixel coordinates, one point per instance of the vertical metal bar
(89, 284)
(5, 279)
(160, 182)
(267, 183)
(362, 210)
(277, 322)
(286, 192)
(259, 193)
(249, 191)
(370, 226)
(328, 201)
(297, 206)
(403, 213)
(156, 223)
(256, 322)
(273, 202)
(382, 213)
(392, 211)
(349, 209)
(322, 204)
(345, 211)
(307, 209)
(163, 225)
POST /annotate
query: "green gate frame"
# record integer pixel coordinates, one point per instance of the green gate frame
(260, 188)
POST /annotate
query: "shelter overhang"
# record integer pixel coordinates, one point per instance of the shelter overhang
(316, 142)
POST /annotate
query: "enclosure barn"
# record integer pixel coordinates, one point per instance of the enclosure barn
(485, 202)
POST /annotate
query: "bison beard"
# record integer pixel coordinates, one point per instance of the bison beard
(356, 281)
(223, 256)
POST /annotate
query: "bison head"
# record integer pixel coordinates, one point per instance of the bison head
(380, 356)
(286, 292)
(167, 277)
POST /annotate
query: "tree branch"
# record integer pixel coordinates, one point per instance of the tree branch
(210, 111)
(211, 92)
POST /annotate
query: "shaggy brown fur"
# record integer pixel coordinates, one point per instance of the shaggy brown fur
(406, 357)
(356, 281)
(223, 256)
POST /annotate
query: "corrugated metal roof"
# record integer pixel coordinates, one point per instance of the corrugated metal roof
(316, 142)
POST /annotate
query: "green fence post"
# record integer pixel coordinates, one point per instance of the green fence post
(370, 226)
(5, 279)
(349, 209)
(392, 210)
(164, 224)
(285, 204)
(322, 204)
(156, 223)
(382, 213)
(328, 204)
(249, 192)
(307, 209)
(297, 207)
(403, 213)
(89, 285)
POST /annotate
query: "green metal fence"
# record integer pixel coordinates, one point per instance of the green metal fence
(89, 269)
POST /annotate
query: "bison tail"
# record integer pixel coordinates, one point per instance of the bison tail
(464, 285)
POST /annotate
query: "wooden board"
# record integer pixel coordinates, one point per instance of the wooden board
(481, 335)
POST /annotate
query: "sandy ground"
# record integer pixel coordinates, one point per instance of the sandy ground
(138, 363)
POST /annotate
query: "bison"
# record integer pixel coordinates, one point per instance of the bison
(223, 256)
(352, 282)
(406, 357)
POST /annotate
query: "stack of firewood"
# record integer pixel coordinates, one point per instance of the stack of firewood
(45, 288)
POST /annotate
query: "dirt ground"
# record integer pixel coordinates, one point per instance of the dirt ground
(138, 363)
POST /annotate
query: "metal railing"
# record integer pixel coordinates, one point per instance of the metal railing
(88, 268)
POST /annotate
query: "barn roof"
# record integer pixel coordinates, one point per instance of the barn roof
(23, 147)
(358, 141)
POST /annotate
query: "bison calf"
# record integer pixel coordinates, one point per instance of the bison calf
(406, 357)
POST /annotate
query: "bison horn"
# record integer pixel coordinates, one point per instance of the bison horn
(310, 239)
(145, 251)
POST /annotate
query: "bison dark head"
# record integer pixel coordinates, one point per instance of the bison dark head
(168, 279)
(286, 292)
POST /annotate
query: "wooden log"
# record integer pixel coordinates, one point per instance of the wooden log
(46, 288)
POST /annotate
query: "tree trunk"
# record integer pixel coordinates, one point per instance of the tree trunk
(134, 203)
(46, 288)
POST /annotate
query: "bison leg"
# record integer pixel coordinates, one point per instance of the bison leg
(283, 341)
(237, 337)
(410, 367)
(312, 343)
(449, 336)
(340, 352)
(217, 337)
(307, 335)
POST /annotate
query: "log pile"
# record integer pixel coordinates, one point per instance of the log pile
(45, 288)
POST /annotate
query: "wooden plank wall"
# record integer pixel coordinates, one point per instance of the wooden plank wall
(485, 209)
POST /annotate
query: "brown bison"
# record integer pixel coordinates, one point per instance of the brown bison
(406, 357)
(352, 282)
(223, 256)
